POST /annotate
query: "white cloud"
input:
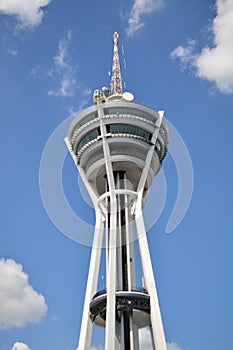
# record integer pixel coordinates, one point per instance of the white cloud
(139, 9)
(85, 98)
(27, 12)
(87, 92)
(34, 71)
(146, 342)
(173, 346)
(12, 52)
(214, 63)
(95, 348)
(185, 54)
(55, 318)
(19, 302)
(20, 346)
(63, 70)
(145, 339)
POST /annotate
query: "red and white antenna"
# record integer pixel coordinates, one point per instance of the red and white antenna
(116, 81)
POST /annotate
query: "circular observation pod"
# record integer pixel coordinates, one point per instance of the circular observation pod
(127, 127)
(136, 302)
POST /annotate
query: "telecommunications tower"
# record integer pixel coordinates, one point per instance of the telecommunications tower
(118, 147)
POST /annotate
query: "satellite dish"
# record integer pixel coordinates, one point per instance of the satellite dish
(128, 96)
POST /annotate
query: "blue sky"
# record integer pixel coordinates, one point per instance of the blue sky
(179, 56)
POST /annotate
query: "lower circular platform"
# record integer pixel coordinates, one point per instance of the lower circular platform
(136, 303)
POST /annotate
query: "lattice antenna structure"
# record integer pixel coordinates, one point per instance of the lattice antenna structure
(116, 81)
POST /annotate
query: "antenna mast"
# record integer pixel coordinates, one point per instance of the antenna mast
(116, 81)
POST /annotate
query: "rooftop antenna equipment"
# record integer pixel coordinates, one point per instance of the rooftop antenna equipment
(116, 82)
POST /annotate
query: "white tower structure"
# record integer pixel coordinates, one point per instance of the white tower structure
(118, 147)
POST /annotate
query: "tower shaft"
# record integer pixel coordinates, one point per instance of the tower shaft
(126, 334)
(118, 147)
(117, 176)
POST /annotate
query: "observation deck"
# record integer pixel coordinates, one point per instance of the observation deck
(128, 129)
(136, 302)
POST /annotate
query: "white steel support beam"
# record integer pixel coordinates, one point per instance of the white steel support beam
(107, 225)
(111, 283)
(156, 319)
(119, 284)
(130, 257)
(148, 275)
(149, 156)
(107, 156)
(131, 274)
(136, 345)
(92, 281)
(110, 334)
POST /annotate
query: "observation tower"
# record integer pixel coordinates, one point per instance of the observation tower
(118, 147)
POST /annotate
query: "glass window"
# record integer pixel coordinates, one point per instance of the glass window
(85, 120)
(131, 113)
(87, 138)
(130, 129)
